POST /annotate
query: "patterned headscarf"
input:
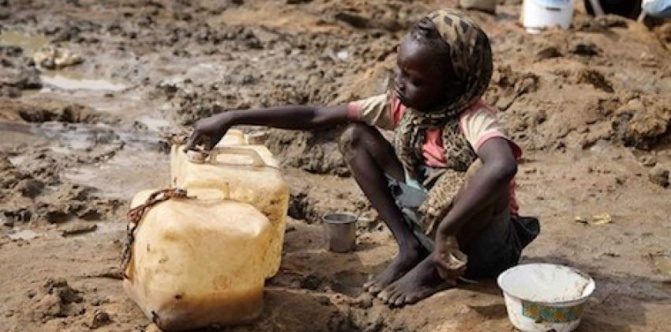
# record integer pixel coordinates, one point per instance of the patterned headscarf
(471, 58)
(470, 55)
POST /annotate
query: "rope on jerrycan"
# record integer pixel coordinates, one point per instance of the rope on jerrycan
(136, 214)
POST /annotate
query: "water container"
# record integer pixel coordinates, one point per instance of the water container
(251, 174)
(540, 14)
(198, 262)
(233, 137)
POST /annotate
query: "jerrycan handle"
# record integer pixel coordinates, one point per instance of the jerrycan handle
(257, 161)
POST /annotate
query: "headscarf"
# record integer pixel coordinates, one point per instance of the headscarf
(470, 55)
(471, 58)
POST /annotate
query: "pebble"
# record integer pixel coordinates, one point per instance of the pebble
(364, 301)
(100, 318)
(648, 161)
(659, 176)
(78, 228)
(25, 235)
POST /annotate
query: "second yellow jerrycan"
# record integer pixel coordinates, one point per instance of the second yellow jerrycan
(196, 261)
(251, 175)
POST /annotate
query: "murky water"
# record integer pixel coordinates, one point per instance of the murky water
(137, 164)
(30, 43)
(68, 83)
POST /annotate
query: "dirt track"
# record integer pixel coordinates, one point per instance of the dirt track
(591, 106)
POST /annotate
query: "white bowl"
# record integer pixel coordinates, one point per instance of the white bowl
(545, 297)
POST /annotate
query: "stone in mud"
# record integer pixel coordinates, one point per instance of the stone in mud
(353, 20)
(9, 91)
(16, 74)
(24, 235)
(585, 48)
(77, 228)
(596, 79)
(62, 289)
(300, 205)
(648, 161)
(548, 53)
(642, 123)
(56, 58)
(11, 51)
(364, 301)
(659, 176)
(58, 300)
(100, 318)
(311, 282)
(55, 215)
(30, 188)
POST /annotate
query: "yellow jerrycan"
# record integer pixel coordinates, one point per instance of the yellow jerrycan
(252, 175)
(196, 261)
(234, 137)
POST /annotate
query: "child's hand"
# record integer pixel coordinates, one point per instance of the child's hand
(450, 260)
(209, 131)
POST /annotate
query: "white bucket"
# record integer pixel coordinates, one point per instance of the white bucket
(540, 14)
(545, 297)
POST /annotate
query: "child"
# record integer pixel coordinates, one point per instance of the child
(416, 183)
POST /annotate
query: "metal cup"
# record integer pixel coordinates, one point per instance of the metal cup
(340, 231)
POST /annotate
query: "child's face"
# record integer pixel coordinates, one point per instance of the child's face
(421, 81)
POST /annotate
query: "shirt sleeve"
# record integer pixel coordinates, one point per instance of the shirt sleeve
(375, 111)
(481, 124)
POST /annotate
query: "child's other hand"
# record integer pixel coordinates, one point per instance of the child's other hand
(209, 131)
(450, 260)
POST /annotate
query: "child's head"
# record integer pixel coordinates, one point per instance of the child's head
(444, 60)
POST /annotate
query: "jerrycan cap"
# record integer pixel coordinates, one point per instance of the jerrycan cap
(196, 157)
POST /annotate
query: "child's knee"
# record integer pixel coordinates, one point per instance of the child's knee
(350, 140)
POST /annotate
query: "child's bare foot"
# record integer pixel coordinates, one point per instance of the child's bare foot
(401, 264)
(420, 283)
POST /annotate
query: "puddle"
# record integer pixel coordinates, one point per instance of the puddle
(130, 170)
(18, 138)
(25, 235)
(17, 160)
(154, 124)
(28, 42)
(68, 83)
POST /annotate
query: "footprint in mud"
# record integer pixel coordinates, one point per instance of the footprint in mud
(349, 283)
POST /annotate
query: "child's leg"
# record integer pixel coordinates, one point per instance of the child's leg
(424, 280)
(370, 157)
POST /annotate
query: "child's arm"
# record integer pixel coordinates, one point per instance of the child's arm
(211, 129)
(490, 182)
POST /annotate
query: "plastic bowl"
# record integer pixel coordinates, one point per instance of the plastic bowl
(545, 297)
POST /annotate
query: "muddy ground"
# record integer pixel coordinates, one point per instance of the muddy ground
(81, 124)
